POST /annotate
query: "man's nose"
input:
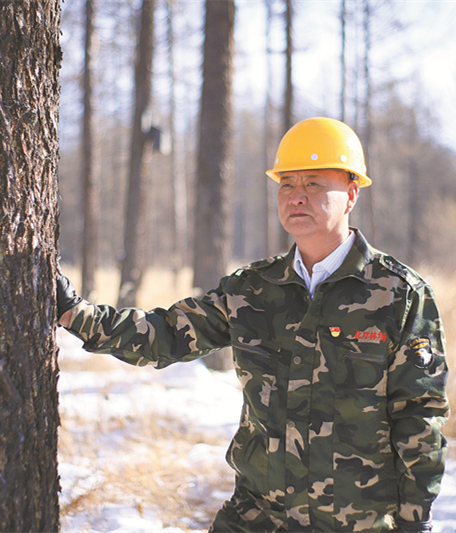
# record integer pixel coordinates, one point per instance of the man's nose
(298, 196)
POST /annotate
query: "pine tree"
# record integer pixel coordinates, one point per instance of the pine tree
(29, 97)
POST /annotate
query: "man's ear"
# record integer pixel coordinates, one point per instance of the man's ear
(353, 192)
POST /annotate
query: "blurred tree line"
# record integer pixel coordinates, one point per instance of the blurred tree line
(409, 212)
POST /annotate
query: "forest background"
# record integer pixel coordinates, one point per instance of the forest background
(384, 67)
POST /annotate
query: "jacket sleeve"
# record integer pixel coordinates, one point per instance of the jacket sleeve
(418, 406)
(189, 329)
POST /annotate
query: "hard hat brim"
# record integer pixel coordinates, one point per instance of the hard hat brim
(363, 180)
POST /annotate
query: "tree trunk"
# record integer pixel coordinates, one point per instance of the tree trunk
(214, 146)
(284, 237)
(264, 223)
(343, 74)
(179, 207)
(415, 206)
(214, 163)
(132, 260)
(29, 97)
(90, 190)
(369, 225)
(364, 214)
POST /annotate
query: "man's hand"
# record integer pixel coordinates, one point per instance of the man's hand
(66, 300)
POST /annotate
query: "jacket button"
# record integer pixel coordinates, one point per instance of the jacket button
(291, 424)
(296, 360)
(290, 489)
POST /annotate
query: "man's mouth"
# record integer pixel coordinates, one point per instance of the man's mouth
(298, 215)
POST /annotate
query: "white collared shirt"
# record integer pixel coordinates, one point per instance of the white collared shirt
(324, 268)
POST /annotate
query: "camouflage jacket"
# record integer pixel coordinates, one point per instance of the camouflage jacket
(343, 393)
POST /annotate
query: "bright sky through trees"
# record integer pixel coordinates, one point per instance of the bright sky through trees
(420, 55)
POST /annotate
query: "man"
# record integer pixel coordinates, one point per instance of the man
(339, 350)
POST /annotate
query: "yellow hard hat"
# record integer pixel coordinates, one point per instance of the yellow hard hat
(320, 143)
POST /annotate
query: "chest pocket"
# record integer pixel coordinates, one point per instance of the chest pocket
(366, 371)
(255, 352)
(256, 361)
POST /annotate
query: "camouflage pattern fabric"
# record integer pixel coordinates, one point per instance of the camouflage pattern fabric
(343, 393)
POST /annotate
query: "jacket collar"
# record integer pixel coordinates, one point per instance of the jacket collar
(356, 264)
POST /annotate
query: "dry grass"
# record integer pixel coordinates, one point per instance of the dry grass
(149, 470)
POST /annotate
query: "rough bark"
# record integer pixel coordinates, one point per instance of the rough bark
(29, 96)
(131, 264)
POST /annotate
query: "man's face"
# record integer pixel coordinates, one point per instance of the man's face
(315, 202)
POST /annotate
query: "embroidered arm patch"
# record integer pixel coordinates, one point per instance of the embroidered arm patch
(421, 352)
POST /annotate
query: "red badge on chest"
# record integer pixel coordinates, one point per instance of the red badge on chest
(371, 336)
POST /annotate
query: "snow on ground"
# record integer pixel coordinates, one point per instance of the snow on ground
(206, 401)
(444, 507)
(93, 402)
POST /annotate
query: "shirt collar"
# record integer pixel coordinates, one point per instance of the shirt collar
(357, 264)
(323, 269)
